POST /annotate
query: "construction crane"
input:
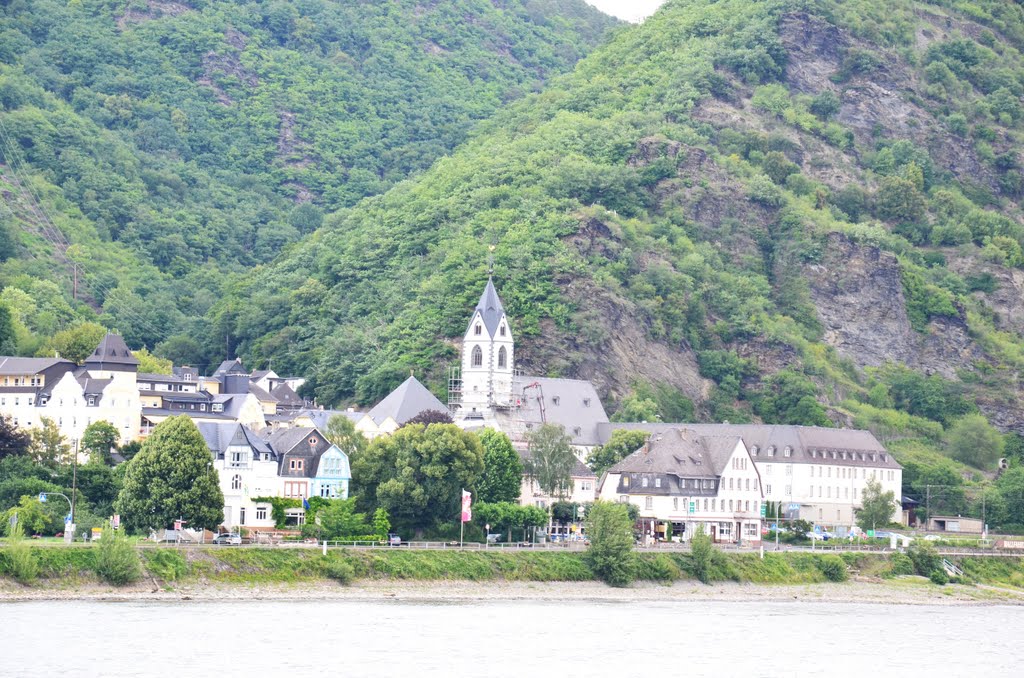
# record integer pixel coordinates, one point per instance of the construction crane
(540, 399)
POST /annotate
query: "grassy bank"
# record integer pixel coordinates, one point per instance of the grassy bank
(167, 566)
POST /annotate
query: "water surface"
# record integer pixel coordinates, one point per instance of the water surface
(507, 638)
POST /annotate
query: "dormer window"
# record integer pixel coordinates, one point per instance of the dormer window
(771, 451)
(753, 450)
(577, 431)
(556, 400)
(788, 452)
(92, 401)
(586, 402)
(477, 329)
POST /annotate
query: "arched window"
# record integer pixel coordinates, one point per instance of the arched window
(476, 330)
(236, 482)
(478, 357)
(501, 330)
(502, 357)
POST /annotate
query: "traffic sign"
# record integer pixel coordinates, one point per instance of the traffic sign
(693, 507)
(764, 509)
(42, 497)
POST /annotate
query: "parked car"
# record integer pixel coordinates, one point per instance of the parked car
(394, 540)
(815, 536)
(230, 538)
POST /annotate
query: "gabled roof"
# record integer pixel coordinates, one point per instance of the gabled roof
(261, 394)
(490, 308)
(405, 402)
(112, 352)
(284, 440)
(230, 367)
(162, 378)
(681, 452)
(571, 403)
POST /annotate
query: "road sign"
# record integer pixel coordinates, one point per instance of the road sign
(764, 509)
(693, 506)
(67, 519)
(775, 527)
(42, 497)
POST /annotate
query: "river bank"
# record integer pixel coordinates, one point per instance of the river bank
(900, 591)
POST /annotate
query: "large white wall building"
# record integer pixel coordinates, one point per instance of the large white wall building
(815, 474)
(692, 482)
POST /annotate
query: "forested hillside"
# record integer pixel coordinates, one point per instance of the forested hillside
(791, 211)
(172, 144)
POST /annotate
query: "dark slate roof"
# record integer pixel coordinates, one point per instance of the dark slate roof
(405, 402)
(286, 395)
(194, 414)
(219, 437)
(230, 367)
(808, 444)
(92, 386)
(490, 308)
(181, 396)
(111, 352)
(261, 394)
(285, 439)
(28, 366)
(681, 452)
(579, 407)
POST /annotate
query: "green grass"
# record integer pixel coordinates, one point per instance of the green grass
(280, 565)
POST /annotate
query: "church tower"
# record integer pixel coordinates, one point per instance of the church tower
(487, 358)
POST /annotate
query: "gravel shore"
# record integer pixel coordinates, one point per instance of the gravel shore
(903, 591)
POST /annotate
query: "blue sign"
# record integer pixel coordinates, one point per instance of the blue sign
(67, 519)
(42, 497)
(817, 529)
(775, 527)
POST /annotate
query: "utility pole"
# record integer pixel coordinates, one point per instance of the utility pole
(74, 485)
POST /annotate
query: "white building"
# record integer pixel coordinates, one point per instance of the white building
(814, 474)
(73, 397)
(686, 481)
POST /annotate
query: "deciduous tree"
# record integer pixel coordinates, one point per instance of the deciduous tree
(610, 531)
(622, 444)
(974, 441)
(99, 440)
(418, 473)
(876, 507)
(171, 477)
(13, 441)
(551, 460)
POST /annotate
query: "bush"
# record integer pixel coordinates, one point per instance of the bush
(116, 559)
(703, 554)
(21, 562)
(339, 570)
(900, 564)
(833, 568)
(924, 557)
(939, 577)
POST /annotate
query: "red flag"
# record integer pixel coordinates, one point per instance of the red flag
(467, 510)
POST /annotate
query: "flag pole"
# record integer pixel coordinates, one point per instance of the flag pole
(462, 523)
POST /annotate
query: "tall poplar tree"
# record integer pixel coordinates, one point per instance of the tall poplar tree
(503, 471)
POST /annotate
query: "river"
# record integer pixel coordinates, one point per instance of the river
(507, 638)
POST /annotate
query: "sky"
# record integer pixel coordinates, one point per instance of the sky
(630, 10)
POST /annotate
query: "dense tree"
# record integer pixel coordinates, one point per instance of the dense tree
(610, 532)
(508, 518)
(503, 470)
(418, 474)
(152, 364)
(8, 336)
(551, 461)
(339, 519)
(76, 343)
(171, 477)
(428, 417)
(791, 398)
(99, 440)
(622, 444)
(635, 408)
(13, 441)
(876, 507)
(973, 441)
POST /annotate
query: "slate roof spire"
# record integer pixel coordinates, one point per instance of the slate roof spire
(490, 308)
(112, 354)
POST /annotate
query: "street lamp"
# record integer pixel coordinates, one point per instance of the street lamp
(487, 534)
